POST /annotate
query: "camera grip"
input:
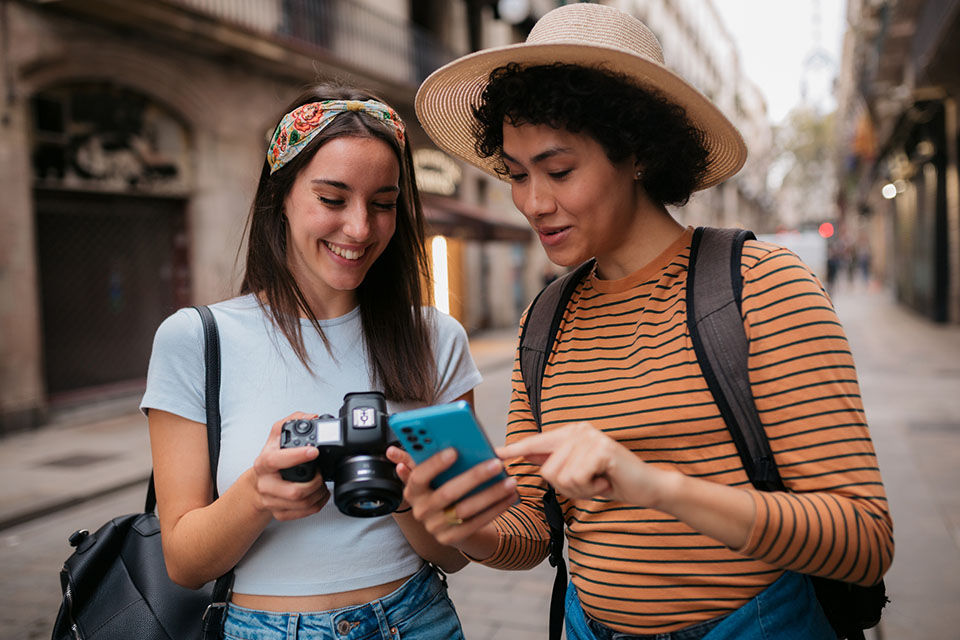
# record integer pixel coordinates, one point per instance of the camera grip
(296, 433)
(300, 473)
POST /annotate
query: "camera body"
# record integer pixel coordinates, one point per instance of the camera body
(351, 451)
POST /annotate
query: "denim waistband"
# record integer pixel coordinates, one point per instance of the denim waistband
(789, 606)
(358, 621)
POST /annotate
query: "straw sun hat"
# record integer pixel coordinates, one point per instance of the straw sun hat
(583, 34)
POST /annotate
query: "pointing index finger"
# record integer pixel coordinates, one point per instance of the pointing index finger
(534, 449)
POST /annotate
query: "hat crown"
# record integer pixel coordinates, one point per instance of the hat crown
(596, 25)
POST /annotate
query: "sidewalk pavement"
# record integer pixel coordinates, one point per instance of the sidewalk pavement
(909, 371)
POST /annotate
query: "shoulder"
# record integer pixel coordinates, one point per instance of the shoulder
(442, 324)
(776, 280)
(184, 328)
(765, 261)
(181, 328)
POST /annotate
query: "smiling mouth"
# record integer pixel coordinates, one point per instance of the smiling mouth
(348, 254)
(553, 232)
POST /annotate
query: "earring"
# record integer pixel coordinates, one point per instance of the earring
(636, 176)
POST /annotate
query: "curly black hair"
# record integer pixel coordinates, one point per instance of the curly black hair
(625, 119)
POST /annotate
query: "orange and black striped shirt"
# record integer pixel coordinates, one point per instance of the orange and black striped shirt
(623, 360)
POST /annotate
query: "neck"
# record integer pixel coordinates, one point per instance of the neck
(652, 231)
(339, 304)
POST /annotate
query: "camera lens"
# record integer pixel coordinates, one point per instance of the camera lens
(366, 486)
(302, 427)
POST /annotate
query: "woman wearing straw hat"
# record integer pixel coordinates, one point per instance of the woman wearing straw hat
(666, 537)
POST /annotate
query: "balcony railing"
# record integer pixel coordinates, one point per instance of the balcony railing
(364, 39)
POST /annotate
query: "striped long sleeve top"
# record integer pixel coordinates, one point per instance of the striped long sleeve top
(623, 360)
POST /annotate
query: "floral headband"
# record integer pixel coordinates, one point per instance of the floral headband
(301, 125)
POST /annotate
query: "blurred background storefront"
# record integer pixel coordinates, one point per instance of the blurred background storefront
(132, 136)
(897, 162)
(132, 133)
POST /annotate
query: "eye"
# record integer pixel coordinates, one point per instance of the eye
(386, 206)
(517, 177)
(560, 175)
(331, 202)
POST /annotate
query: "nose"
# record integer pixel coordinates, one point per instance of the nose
(534, 198)
(356, 223)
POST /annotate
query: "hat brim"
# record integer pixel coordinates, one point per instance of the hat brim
(444, 100)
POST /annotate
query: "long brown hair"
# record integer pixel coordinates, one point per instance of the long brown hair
(396, 335)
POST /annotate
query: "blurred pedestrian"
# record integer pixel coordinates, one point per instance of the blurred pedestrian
(835, 261)
(864, 262)
(667, 538)
(330, 303)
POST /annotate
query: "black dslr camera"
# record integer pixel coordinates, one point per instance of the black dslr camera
(352, 447)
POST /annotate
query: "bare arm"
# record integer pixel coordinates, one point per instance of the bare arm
(204, 538)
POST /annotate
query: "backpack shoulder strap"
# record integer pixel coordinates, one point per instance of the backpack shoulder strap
(214, 616)
(540, 331)
(536, 342)
(714, 317)
(211, 339)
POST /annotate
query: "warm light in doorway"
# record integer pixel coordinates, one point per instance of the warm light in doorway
(441, 291)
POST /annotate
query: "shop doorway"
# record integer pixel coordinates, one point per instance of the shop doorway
(112, 267)
(111, 178)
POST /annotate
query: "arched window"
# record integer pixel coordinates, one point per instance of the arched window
(102, 137)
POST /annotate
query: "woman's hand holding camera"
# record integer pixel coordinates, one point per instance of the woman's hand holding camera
(450, 517)
(283, 499)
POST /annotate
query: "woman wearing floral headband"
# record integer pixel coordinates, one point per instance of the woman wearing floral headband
(667, 537)
(330, 303)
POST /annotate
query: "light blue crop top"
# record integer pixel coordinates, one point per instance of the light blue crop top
(262, 382)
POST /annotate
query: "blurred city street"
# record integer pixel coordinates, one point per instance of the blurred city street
(133, 133)
(65, 475)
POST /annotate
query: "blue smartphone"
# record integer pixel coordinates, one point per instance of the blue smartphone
(426, 431)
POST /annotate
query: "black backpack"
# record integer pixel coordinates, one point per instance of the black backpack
(714, 289)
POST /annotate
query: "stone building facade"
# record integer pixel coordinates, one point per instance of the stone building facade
(132, 134)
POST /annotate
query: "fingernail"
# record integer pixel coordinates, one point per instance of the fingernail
(448, 455)
(492, 465)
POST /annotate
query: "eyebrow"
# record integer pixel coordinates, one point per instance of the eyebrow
(345, 187)
(540, 157)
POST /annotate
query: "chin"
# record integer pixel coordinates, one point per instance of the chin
(566, 258)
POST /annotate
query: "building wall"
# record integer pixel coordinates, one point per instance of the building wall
(226, 92)
(21, 387)
(226, 111)
(698, 47)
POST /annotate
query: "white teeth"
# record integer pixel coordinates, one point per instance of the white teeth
(349, 254)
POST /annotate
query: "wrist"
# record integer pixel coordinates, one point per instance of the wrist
(482, 545)
(249, 480)
(668, 491)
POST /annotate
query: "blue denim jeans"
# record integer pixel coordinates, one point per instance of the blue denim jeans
(786, 610)
(419, 610)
